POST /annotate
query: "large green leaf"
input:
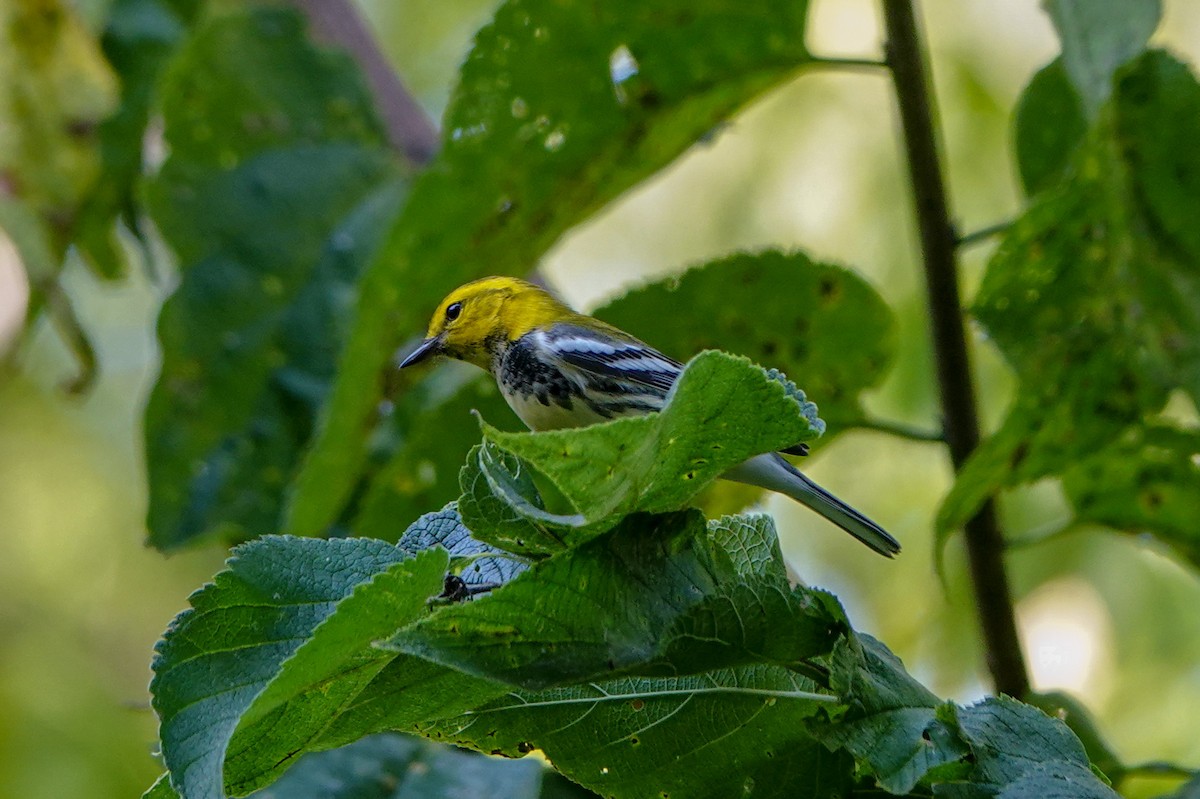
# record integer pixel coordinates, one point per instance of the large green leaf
(248, 82)
(1094, 295)
(218, 657)
(1079, 720)
(329, 670)
(807, 318)
(718, 734)
(276, 193)
(561, 107)
(1098, 36)
(721, 411)
(301, 618)
(660, 595)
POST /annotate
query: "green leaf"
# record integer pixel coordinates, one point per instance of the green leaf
(718, 734)
(218, 657)
(249, 82)
(1098, 36)
(1094, 295)
(407, 693)
(390, 765)
(1149, 480)
(1157, 103)
(779, 309)
(276, 193)
(503, 506)
(1049, 127)
(1023, 752)
(1057, 781)
(905, 736)
(561, 108)
(722, 410)
(318, 698)
(332, 667)
(1071, 712)
(249, 338)
(893, 725)
(660, 595)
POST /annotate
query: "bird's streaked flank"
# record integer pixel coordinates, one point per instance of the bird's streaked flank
(557, 368)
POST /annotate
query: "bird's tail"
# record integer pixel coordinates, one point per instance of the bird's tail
(771, 471)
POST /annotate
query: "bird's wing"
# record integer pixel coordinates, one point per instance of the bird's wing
(603, 357)
(623, 374)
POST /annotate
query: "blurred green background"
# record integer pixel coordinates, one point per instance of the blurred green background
(816, 166)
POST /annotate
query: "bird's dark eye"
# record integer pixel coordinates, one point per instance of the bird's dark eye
(452, 311)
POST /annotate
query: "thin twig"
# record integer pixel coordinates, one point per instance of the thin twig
(872, 64)
(62, 315)
(985, 543)
(409, 129)
(902, 430)
(983, 234)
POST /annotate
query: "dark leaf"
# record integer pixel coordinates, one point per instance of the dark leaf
(276, 192)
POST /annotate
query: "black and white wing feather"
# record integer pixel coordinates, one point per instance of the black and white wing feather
(617, 376)
(642, 370)
(625, 361)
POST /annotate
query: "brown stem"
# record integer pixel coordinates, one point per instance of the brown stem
(985, 544)
(337, 23)
(62, 315)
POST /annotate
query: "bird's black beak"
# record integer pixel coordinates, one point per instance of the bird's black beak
(424, 351)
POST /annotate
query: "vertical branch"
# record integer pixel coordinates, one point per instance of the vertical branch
(409, 131)
(985, 544)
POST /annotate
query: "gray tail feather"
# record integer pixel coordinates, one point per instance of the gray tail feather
(813, 496)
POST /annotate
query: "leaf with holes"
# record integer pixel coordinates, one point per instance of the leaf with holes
(1094, 294)
(810, 319)
(1149, 480)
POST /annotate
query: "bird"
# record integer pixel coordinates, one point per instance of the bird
(558, 368)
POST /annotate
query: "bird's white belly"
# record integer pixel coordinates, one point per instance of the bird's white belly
(539, 416)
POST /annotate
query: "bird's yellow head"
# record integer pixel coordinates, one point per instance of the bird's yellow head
(475, 319)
